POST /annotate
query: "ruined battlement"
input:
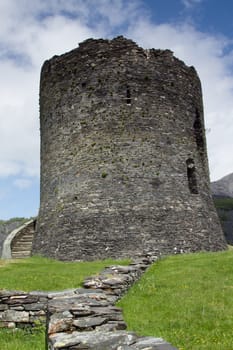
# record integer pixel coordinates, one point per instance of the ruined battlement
(124, 165)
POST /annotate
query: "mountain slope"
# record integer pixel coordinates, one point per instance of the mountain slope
(223, 187)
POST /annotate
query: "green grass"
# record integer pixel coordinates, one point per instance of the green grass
(22, 339)
(223, 203)
(187, 300)
(39, 273)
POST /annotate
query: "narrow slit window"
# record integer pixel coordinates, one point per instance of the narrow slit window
(198, 131)
(191, 174)
(128, 95)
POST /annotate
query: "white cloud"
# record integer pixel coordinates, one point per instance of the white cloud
(32, 31)
(25, 42)
(206, 53)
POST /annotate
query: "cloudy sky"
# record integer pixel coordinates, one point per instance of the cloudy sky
(200, 32)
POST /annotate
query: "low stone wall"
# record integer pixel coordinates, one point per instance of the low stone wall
(87, 318)
(20, 309)
(83, 318)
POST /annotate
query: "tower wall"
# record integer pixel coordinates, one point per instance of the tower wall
(123, 155)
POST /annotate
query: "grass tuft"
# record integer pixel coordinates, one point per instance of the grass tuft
(22, 339)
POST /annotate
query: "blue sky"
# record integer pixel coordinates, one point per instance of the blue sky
(200, 32)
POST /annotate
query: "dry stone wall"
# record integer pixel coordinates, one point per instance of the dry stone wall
(123, 155)
(87, 318)
(21, 309)
(83, 318)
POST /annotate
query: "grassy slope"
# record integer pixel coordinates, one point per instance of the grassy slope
(187, 300)
(38, 273)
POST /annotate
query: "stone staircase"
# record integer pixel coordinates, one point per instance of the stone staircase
(18, 244)
(22, 246)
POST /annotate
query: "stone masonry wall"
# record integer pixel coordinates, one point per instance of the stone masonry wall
(21, 309)
(124, 166)
(88, 319)
(83, 318)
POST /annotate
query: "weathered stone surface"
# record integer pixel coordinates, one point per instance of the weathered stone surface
(93, 340)
(150, 343)
(123, 155)
(123, 269)
(104, 282)
(60, 322)
(112, 312)
(22, 299)
(21, 308)
(3, 307)
(15, 316)
(18, 308)
(61, 294)
(35, 306)
(5, 294)
(87, 291)
(112, 326)
(89, 322)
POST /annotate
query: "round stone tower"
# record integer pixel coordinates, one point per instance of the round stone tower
(123, 155)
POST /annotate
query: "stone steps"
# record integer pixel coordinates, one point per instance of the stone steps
(22, 246)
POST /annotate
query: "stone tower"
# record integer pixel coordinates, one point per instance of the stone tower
(123, 155)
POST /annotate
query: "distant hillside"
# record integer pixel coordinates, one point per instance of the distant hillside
(222, 191)
(223, 187)
(224, 208)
